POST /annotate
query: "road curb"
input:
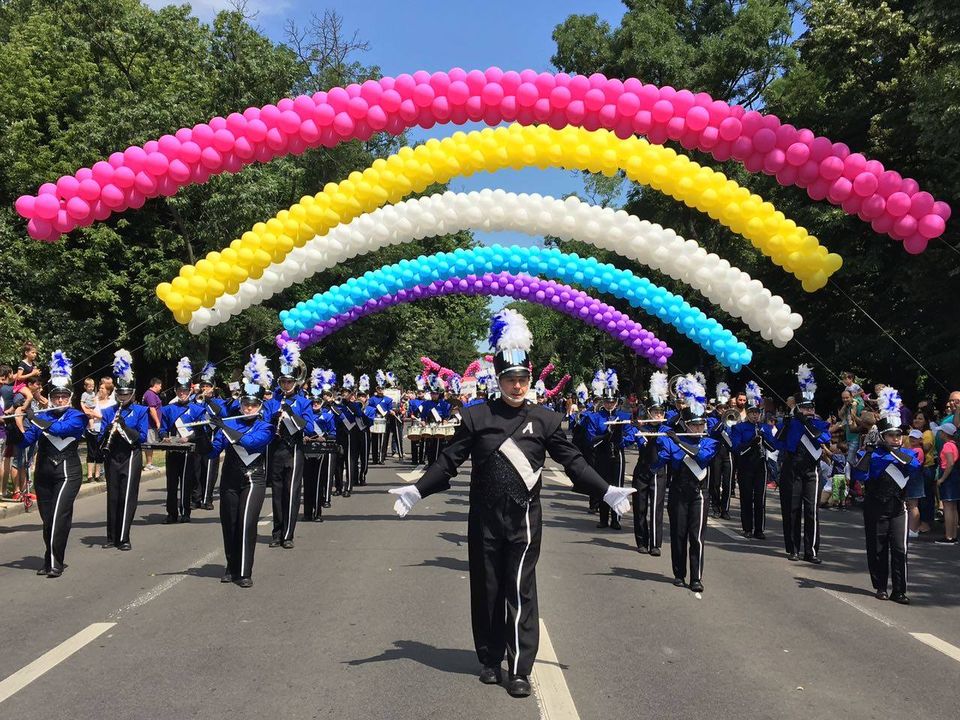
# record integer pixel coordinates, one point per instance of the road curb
(12, 509)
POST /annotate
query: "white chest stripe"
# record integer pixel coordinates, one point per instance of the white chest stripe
(245, 457)
(698, 472)
(60, 443)
(512, 452)
(811, 448)
(897, 476)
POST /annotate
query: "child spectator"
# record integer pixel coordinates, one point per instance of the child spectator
(949, 482)
(26, 369)
(6, 407)
(915, 490)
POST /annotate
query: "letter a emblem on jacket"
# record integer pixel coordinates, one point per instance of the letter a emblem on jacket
(528, 429)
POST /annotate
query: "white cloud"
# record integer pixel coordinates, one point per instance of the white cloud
(207, 9)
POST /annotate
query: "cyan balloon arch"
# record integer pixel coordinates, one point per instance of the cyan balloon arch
(547, 262)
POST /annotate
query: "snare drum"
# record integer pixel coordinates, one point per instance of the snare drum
(432, 431)
(379, 426)
(447, 431)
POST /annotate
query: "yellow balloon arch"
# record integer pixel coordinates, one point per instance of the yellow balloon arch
(437, 161)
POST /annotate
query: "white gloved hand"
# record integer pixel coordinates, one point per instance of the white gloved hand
(619, 499)
(408, 496)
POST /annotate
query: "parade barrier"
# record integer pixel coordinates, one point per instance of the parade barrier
(727, 287)
(548, 262)
(563, 298)
(762, 143)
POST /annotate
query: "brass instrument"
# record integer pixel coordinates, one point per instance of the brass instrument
(672, 386)
(731, 417)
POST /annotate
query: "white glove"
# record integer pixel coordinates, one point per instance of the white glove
(619, 499)
(408, 496)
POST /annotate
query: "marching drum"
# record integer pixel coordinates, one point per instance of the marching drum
(446, 431)
(379, 426)
(318, 448)
(414, 431)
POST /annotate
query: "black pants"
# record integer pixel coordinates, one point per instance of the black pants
(364, 456)
(285, 475)
(416, 452)
(504, 546)
(241, 499)
(648, 503)
(318, 475)
(181, 471)
(688, 523)
(123, 469)
(56, 485)
(752, 480)
(721, 480)
(379, 444)
(799, 501)
(395, 436)
(431, 450)
(885, 525)
(611, 468)
(207, 471)
(349, 473)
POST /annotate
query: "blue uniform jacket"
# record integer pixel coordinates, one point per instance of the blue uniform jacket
(744, 435)
(255, 439)
(135, 417)
(384, 403)
(880, 459)
(669, 453)
(442, 407)
(72, 424)
(297, 403)
(595, 423)
(189, 411)
(323, 423)
(791, 431)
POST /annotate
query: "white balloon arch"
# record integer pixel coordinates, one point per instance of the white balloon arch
(723, 285)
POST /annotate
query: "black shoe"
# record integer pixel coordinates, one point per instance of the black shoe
(346, 493)
(325, 505)
(245, 582)
(793, 557)
(678, 582)
(55, 573)
(696, 586)
(881, 595)
(643, 551)
(275, 543)
(227, 577)
(125, 546)
(43, 571)
(170, 520)
(185, 519)
(490, 675)
(336, 493)
(812, 559)
(724, 515)
(747, 534)
(758, 535)
(602, 525)
(287, 544)
(518, 685)
(207, 506)
(615, 525)
(655, 552)
(108, 544)
(900, 598)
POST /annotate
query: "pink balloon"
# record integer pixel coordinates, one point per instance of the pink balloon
(831, 168)
(942, 209)
(157, 163)
(798, 153)
(46, 207)
(77, 208)
(931, 226)
(915, 244)
(25, 206)
(921, 203)
(123, 178)
(103, 172)
(898, 204)
(865, 184)
(39, 229)
(764, 140)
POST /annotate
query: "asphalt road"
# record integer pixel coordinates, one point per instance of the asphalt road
(368, 617)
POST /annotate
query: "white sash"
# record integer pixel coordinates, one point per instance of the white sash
(245, 457)
(810, 447)
(698, 472)
(290, 425)
(896, 474)
(182, 431)
(514, 455)
(436, 416)
(60, 443)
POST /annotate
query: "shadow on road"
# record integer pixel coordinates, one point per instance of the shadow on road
(448, 660)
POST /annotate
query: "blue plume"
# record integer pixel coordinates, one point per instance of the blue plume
(497, 326)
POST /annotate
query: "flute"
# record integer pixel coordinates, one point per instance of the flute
(666, 434)
(208, 422)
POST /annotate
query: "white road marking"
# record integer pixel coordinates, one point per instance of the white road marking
(857, 606)
(162, 587)
(559, 477)
(412, 475)
(50, 659)
(549, 686)
(724, 530)
(937, 644)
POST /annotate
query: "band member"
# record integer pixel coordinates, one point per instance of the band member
(800, 439)
(207, 467)
(689, 458)
(382, 407)
(609, 431)
(289, 412)
(123, 429)
(350, 426)
(884, 512)
(56, 432)
(368, 414)
(245, 443)
(721, 470)
(650, 478)
(415, 416)
(435, 411)
(181, 466)
(752, 440)
(319, 470)
(508, 440)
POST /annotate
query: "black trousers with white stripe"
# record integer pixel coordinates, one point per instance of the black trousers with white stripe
(648, 502)
(57, 485)
(503, 547)
(364, 456)
(611, 466)
(208, 470)
(122, 468)
(721, 480)
(285, 475)
(241, 499)
(799, 501)
(687, 508)
(318, 475)
(181, 472)
(752, 481)
(394, 438)
(885, 525)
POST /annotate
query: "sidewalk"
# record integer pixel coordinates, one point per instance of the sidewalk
(9, 509)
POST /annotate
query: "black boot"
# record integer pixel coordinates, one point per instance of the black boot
(518, 685)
